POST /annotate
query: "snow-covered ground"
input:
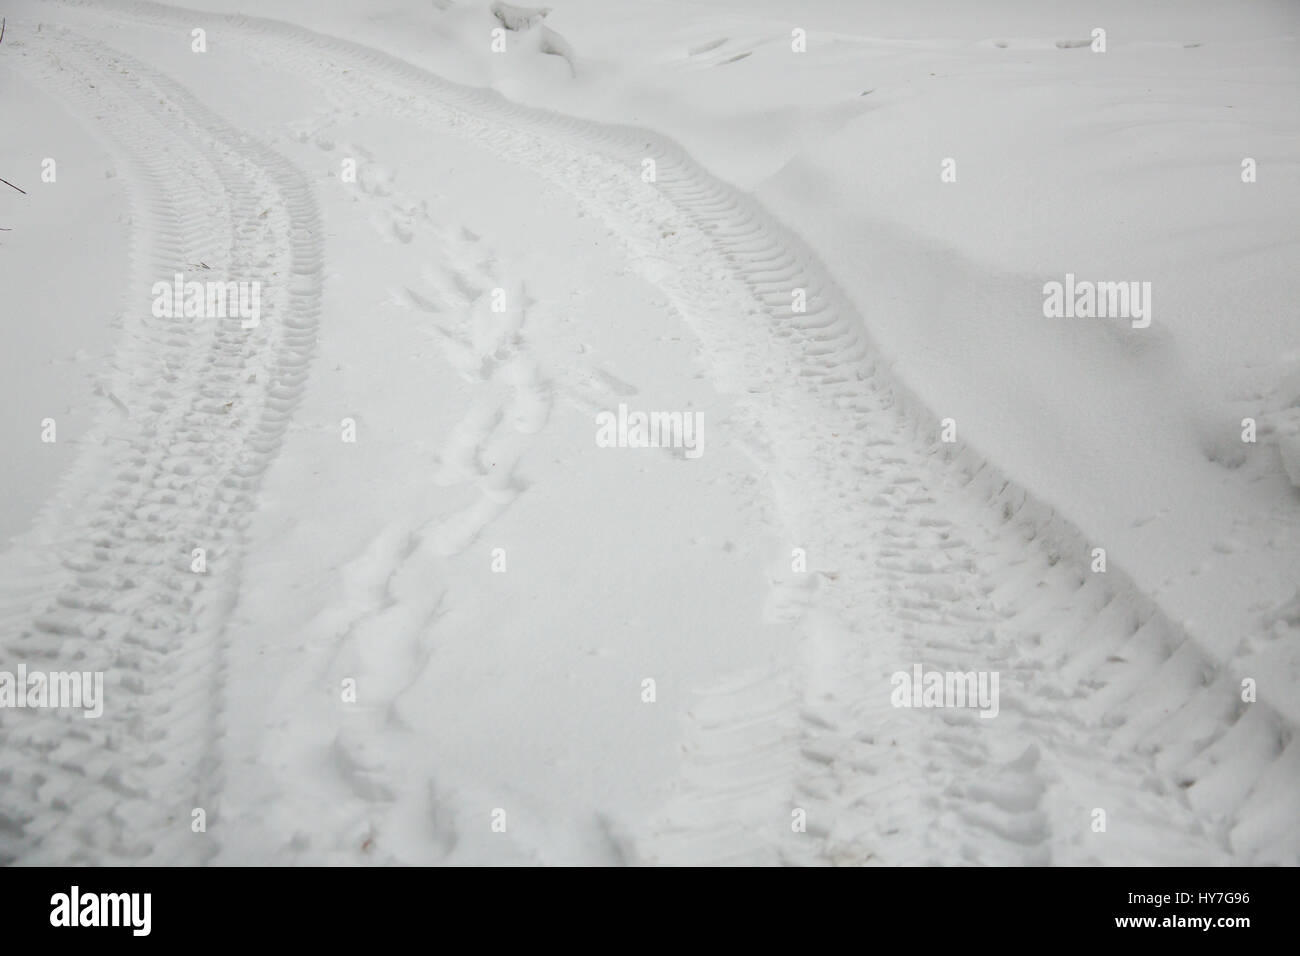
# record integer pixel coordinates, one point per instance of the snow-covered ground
(366, 581)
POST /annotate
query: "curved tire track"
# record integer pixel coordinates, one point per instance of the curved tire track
(964, 569)
(207, 402)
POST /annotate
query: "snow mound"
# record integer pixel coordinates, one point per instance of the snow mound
(518, 18)
(524, 19)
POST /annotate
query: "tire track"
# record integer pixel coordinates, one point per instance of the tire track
(963, 570)
(990, 796)
(206, 405)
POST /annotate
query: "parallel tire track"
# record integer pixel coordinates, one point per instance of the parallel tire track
(208, 402)
(921, 553)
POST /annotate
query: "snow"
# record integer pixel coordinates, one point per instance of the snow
(434, 598)
(60, 329)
